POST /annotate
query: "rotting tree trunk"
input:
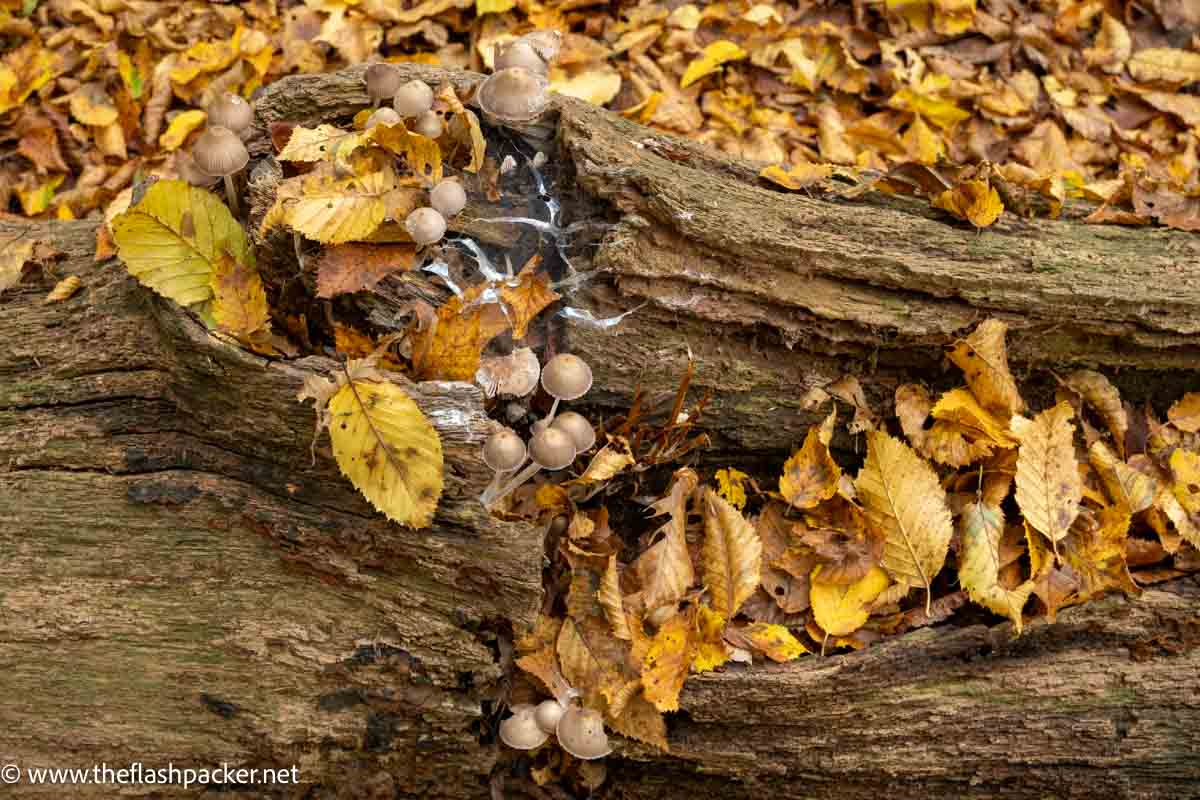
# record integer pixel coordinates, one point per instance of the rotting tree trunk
(180, 582)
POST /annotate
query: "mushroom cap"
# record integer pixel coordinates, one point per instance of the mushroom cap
(552, 448)
(188, 170)
(581, 733)
(515, 94)
(546, 43)
(567, 377)
(230, 111)
(520, 54)
(547, 714)
(504, 451)
(425, 226)
(521, 731)
(382, 80)
(383, 116)
(449, 197)
(429, 123)
(579, 429)
(219, 151)
(413, 98)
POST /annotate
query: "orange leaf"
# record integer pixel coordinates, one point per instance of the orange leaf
(358, 266)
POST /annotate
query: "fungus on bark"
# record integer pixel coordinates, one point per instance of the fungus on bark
(230, 111)
(521, 731)
(514, 95)
(581, 733)
(425, 226)
(448, 197)
(220, 153)
(413, 98)
(383, 81)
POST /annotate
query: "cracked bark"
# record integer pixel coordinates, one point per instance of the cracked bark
(182, 583)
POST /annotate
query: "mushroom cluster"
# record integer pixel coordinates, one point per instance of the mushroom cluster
(414, 101)
(518, 91)
(557, 440)
(219, 152)
(579, 730)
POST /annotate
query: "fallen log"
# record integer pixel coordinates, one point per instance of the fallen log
(185, 582)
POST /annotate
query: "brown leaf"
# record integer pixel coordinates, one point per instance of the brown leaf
(359, 266)
(1048, 484)
(63, 290)
(1100, 394)
(1185, 413)
(842, 541)
(983, 358)
(811, 475)
(732, 555)
(665, 568)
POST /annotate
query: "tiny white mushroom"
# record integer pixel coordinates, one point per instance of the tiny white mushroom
(548, 713)
(566, 377)
(448, 197)
(413, 98)
(429, 123)
(550, 449)
(220, 153)
(514, 95)
(383, 81)
(521, 731)
(383, 116)
(581, 733)
(425, 226)
(520, 54)
(231, 111)
(579, 429)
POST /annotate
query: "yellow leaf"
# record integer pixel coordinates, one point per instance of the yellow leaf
(1165, 64)
(63, 290)
(13, 257)
(983, 358)
(941, 112)
(732, 555)
(905, 502)
(960, 406)
(579, 665)
(205, 57)
(91, 105)
(665, 568)
(173, 237)
(975, 201)
(322, 143)
(711, 650)
(239, 299)
(1049, 488)
(332, 210)
(37, 199)
(982, 526)
(612, 459)
(1112, 47)
(668, 661)
(923, 145)
(1185, 468)
(775, 642)
(840, 610)
(493, 6)
(953, 17)
(731, 486)
(423, 155)
(464, 128)
(798, 176)
(1185, 413)
(598, 84)
(640, 720)
(1095, 550)
(387, 448)
(811, 475)
(609, 597)
(25, 70)
(716, 54)
(1129, 488)
(183, 124)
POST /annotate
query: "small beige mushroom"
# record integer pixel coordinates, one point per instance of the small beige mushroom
(503, 452)
(230, 111)
(383, 81)
(429, 123)
(521, 731)
(581, 733)
(413, 98)
(448, 197)
(514, 95)
(220, 153)
(188, 171)
(566, 377)
(547, 714)
(383, 116)
(578, 428)
(550, 449)
(520, 53)
(425, 226)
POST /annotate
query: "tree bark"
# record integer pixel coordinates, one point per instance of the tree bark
(183, 582)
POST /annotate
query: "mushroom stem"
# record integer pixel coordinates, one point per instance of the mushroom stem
(553, 411)
(491, 497)
(494, 486)
(297, 246)
(231, 196)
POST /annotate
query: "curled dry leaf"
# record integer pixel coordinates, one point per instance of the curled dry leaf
(905, 503)
(976, 201)
(665, 568)
(1095, 551)
(1049, 488)
(811, 475)
(983, 358)
(1185, 413)
(609, 597)
(609, 461)
(1133, 490)
(982, 528)
(1099, 393)
(63, 290)
(359, 266)
(842, 540)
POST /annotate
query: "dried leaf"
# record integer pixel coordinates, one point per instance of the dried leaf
(1049, 488)
(63, 290)
(668, 661)
(609, 597)
(774, 641)
(1100, 394)
(841, 609)
(609, 461)
(1185, 413)
(665, 568)
(711, 649)
(714, 55)
(983, 358)
(239, 299)
(975, 201)
(359, 266)
(1165, 64)
(180, 128)
(731, 486)
(799, 176)
(732, 555)
(982, 527)
(811, 475)
(1133, 490)
(905, 503)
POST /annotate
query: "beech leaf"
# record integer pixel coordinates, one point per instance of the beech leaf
(732, 555)
(1049, 488)
(841, 609)
(982, 527)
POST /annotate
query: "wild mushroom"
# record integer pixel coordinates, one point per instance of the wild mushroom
(220, 153)
(383, 116)
(413, 98)
(231, 111)
(383, 80)
(188, 171)
(503, 452)
(566, 377)
(425, 226)
(547, 714)
(429, 123)
(581, 733)
(578, 428)
(551, 449)
(448, 197)
(521, 731)
(520, 54)
(514, 95)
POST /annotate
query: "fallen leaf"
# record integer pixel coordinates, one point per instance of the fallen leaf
(711, 649)
(982, 527)
(239, 299)
(841, 609)
(668, 662)
(731, 486)
(798, 176)
(714, 55)
(983, 358)
(732, 555)
(1049, 488)
(774, 641)
(1098, 392)
(63, 290)
(1185, 413)
(975, 201)
(1133, 490)
(665, 568)
(905, 503)
(611, 459)
(811, 475)
(359, 266)
(1165, 64)
(609, 597)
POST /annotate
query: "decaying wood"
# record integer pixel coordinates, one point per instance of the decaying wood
(181, 582)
